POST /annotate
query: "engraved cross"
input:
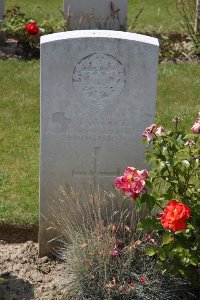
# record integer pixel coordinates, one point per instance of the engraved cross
(96, 174)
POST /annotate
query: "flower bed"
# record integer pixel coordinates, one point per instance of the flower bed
(148, 247)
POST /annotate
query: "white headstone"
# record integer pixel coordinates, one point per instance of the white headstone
(1, 19)
(96, 14)
(98, 91)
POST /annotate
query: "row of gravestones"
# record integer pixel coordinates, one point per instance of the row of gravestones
(98, 90)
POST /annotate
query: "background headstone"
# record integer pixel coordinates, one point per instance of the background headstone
(95, 14)
(98, 91)
(2, 36)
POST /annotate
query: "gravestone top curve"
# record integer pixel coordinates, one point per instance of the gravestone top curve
(111, 34)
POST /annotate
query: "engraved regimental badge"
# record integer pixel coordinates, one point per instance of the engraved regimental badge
(99, 78)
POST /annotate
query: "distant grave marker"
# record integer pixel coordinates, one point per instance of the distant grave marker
(98, 91)
(96, 14)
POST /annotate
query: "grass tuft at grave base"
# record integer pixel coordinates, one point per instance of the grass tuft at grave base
(178, 94)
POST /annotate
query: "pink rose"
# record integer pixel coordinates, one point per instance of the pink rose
(143, 174)
(133, 182)
(196, 127)
(160, 131)
(153, 130)
(114, 252)
(149, 132)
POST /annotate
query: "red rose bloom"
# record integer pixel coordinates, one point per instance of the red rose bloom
(32, 28)
(174, 216)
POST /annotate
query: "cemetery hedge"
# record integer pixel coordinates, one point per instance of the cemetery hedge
(178, 92)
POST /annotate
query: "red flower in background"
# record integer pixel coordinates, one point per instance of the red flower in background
(32, 28)
(175, 215)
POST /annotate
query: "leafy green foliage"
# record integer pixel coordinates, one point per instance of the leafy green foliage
(174, 157)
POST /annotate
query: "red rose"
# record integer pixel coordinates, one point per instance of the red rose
(174, 215)
(32, 28)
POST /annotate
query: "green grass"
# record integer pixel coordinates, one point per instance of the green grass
(178, 94)
(159, 15)
(38, 9)
(19, 137)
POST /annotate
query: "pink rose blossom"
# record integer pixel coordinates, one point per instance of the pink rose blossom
(160, 131)
(142, 279)
(196, 127)
(150, 240)
(149, 132)
(133, 182)
(114, 252)
(152, 130)
(143, 174)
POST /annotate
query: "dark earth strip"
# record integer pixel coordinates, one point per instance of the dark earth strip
(12, 233)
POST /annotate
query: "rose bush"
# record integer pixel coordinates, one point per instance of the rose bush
(170, 196)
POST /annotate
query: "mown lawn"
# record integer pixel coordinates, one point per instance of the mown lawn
(178, 94)
(157, 15)
(19, 152)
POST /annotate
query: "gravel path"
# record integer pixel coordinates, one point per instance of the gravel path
(24, 276)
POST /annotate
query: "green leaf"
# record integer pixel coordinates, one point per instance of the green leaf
(138, 205)
(164, 151)
(194, 261)
(151, 251)
(186, 163)
(162, 254)
(167, 238)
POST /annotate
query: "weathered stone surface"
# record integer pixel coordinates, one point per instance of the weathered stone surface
(96, 14)
(98, 91)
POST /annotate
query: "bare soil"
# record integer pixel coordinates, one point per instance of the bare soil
(24, 276)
